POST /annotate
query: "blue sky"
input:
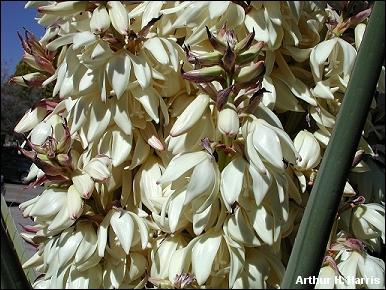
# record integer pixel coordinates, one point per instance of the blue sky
(13, 18)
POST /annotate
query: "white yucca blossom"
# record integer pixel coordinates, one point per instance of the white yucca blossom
(209, 257)
(265, 142)
(124, 230)
(366, 222)
(356, 269)
(30, 120)
(56, 209)
(309, 150)
(197, 193)
(168, 151)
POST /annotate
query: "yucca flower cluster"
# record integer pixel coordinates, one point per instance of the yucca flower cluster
(166, 150)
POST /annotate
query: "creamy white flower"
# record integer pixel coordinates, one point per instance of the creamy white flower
(190, 115)
(161, 255)
(262, 267)
(366, 221)
(100, 20)
(31, 119)
(125, 227)
(228, 120)
(119, 16)
(271, 143)
(332, 52)
(308, 149)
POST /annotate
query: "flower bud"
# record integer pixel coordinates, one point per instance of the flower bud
(64, 160)
(204, 75)
(30, 120)
(64, 8)
(29, 80)
(192, 113)
(30, 60)
(84, 184)
(309, 150)
(249, 55)
(216, 43)
(245, 43)
(100, 20)
(206, 59)
(74, 203)
(151, 137)
(119, 16)
(228, 120)
(40, 133)
(251, 72)
(99, 168)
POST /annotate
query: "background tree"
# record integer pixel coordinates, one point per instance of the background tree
(15, 99)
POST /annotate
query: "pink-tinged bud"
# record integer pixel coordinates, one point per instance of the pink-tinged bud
(354, 244)
(251, 54)
(215, 42)
(251, 72)
(204, 59)
(64, 160)
(204, 75)
(228, 121)
(245, 43)
(30, 229)
(29, 154)
(47, 104)
(29, 80)
(37, 148)
(30, 60)
(359, 17)
(74, 203)
(84, 184)
(50, 168)
(64, 8)
(34, 44)
(99, 168)
(44, 64)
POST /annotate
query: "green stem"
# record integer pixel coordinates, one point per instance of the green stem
(221, 159)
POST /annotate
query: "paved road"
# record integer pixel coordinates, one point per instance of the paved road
(14, 195)
(18, 193)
